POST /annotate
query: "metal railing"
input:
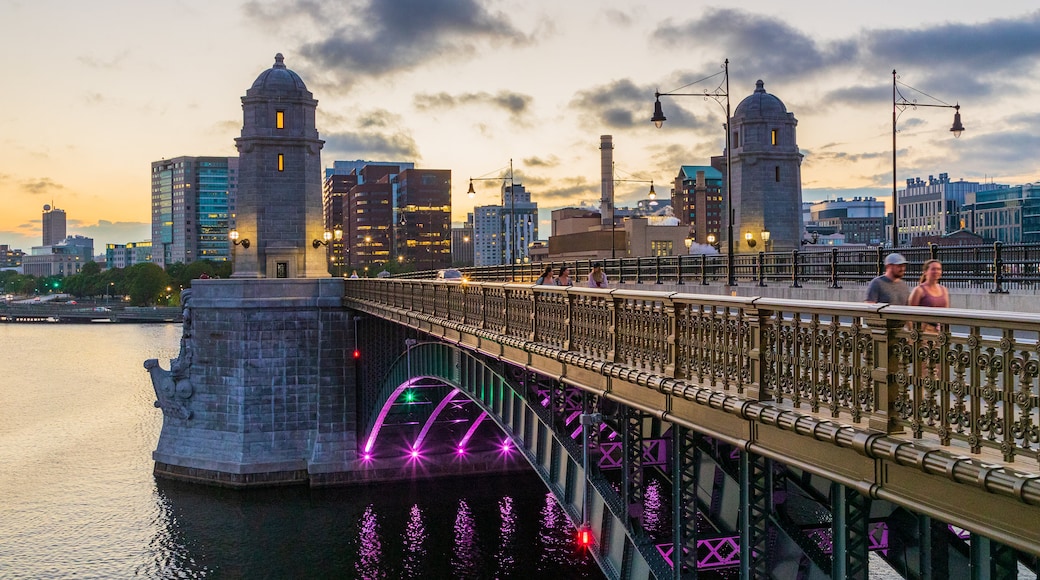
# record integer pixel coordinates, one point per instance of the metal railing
(965, 380)
(996, 268)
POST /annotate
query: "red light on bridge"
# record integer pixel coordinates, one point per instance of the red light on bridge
(357, 354)
(584, 537)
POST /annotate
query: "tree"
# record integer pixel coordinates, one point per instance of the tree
(145, 283)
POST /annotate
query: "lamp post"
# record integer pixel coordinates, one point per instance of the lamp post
(766, 242)
(651, 194)
(900, 104)
(658, 119)
(512, 207)
(326, 237)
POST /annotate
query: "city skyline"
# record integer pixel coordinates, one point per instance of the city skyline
(101, 91)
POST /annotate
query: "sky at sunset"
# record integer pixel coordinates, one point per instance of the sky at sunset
(93, 92)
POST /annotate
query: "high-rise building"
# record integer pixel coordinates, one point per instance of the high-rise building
(193, 204)
(53, 225)
(1000, 213)
(697, 201)
(462, 243)
(422, 218)
(9, 257)
(933, 207)
(766, 174)
(278, 208)
(505, 232)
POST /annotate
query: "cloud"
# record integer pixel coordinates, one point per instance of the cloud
(359, 145)
(969, 60)
(107, 232)
(111, 63)
(551, 161)
(516, 104)
(41, 186)
(375, 38)
(758, 43)
(622, 104)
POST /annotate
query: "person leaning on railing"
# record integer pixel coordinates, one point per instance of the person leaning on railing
(597, 278)
(564, 277)
(546, 276)
(929, 292)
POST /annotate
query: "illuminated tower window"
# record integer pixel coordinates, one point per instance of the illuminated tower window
(281, 162)
(279, 120)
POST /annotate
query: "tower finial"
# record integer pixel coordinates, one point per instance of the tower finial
(279, 61)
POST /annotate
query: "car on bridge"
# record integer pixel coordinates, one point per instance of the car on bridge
(451, 275)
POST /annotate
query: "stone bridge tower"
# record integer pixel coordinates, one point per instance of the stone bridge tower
(767, 177)
(279, 191)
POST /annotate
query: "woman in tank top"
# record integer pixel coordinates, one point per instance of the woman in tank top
(930, 292)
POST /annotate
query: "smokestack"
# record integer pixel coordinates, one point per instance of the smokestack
(606, 161)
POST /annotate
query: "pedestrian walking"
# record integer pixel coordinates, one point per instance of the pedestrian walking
(929, 292)
(889, 287)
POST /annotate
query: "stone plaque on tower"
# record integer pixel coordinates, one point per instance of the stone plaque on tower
(279, 210)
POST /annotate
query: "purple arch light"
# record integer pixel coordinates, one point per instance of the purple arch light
(472, 429)
(433, 416)
(387, 405)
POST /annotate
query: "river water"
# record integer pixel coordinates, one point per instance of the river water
(78, 499)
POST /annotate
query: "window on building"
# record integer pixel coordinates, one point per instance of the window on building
(777, 173)
(661, 248)
(279, 119)
(774, 136)
(736, 139)
(281, 162)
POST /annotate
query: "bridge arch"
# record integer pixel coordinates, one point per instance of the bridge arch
(529, 427)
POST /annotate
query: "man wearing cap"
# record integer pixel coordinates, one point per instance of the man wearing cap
(889, 287)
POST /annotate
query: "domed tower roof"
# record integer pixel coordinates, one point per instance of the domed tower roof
(279, 80)
(760, 104)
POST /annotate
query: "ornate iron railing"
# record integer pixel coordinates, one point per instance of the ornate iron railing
(968, 380)
(996, 268)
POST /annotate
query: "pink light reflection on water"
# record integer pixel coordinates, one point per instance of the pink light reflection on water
(507, 538)
(415, 535)
(370, 549)
(466, 552)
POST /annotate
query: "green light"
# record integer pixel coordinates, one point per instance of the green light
(409, 396)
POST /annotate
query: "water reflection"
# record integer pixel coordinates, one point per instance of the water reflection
(507, 538)
(77, 429)
(370, 549)
(466, 555)
(414, 543)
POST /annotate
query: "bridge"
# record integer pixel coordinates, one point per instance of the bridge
(786, 438)
(73, 313)
(915, 443)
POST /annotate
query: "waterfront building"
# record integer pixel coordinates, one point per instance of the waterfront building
(126, 255)
(1004, 213)
(497, 227)
(422, 218)
(10, 257)
(370, 217)
(860, 220)
(54, 230)
(933, 207)
(65, 258)
(767, 179)
(697, 200)
(193, 203)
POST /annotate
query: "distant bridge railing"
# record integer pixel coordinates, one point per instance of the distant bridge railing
(73, 313)
(997, 268)
(968, 381)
